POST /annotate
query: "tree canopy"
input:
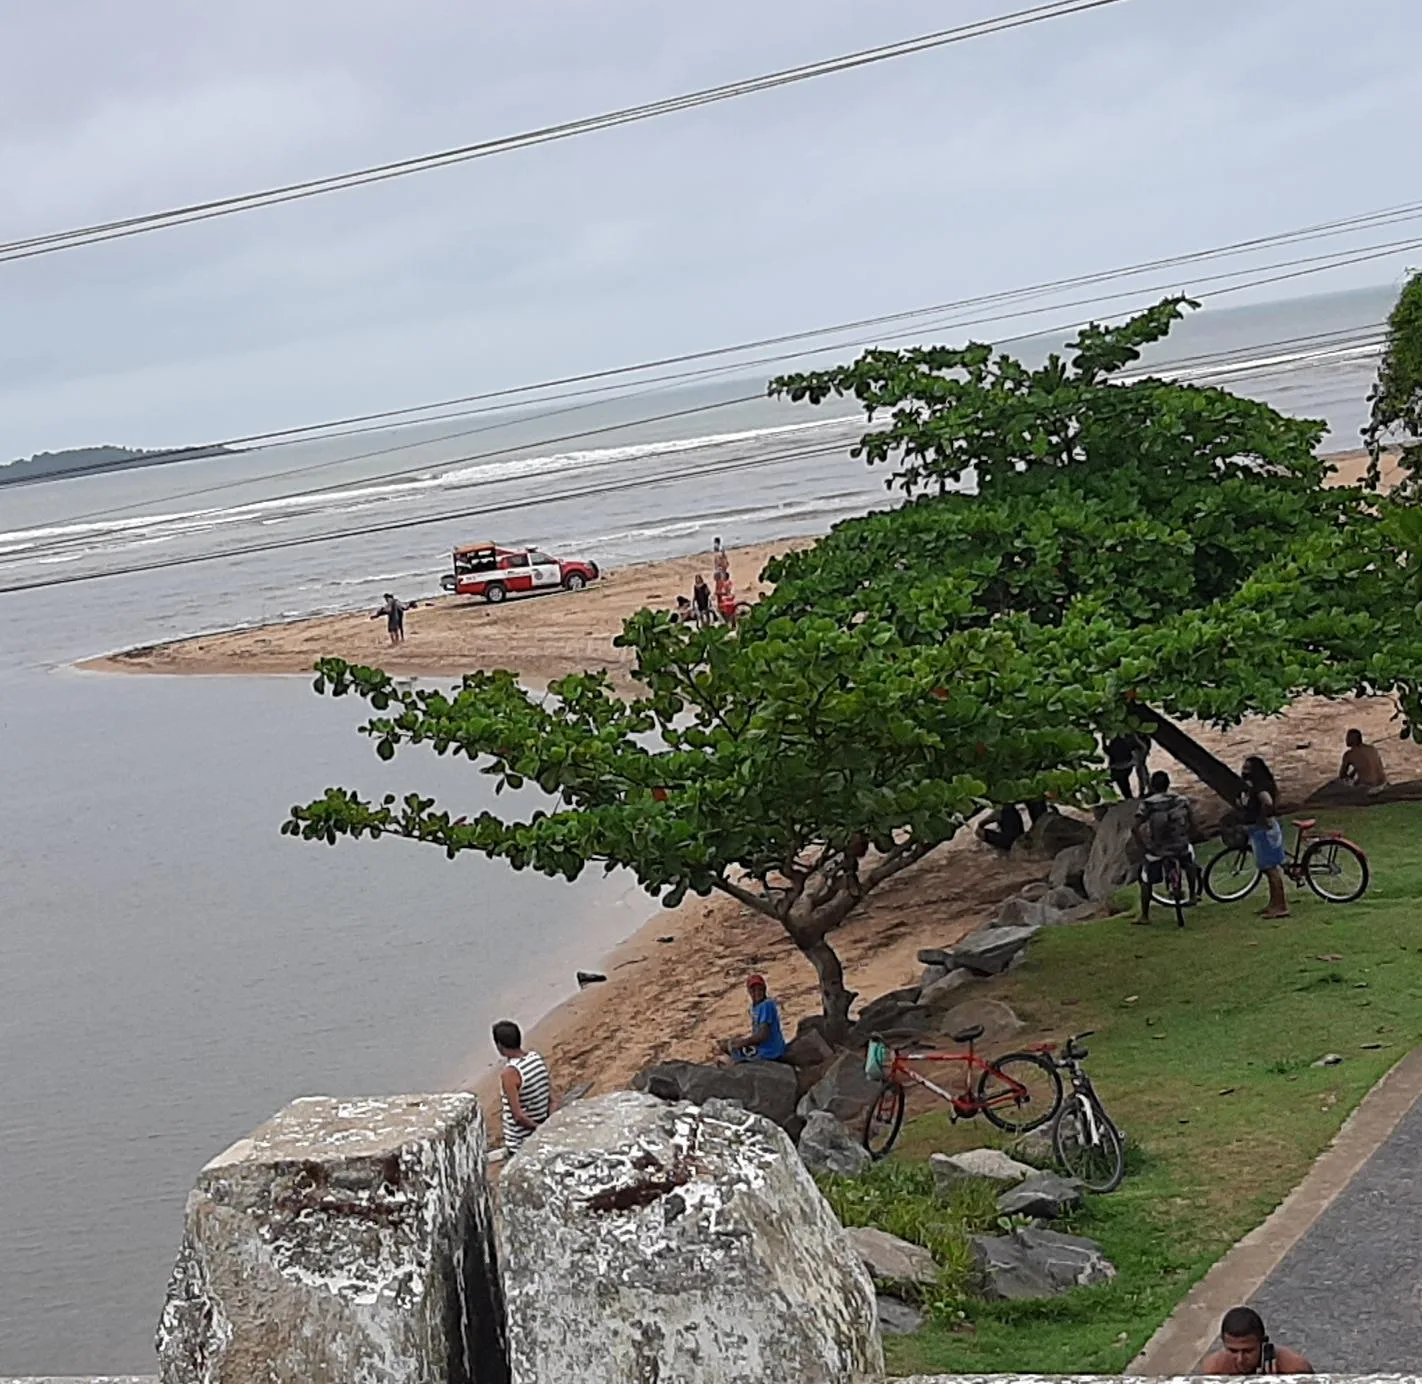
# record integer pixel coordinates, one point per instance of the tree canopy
(1131, 541)
(1396, 418)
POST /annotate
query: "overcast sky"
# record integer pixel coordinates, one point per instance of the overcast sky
(1143, 129)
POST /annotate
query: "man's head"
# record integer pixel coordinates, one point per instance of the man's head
(756, 985)
(507, 1036)
(1355, 738)
(388, 596)
(1242, 1332)
(1160, 782)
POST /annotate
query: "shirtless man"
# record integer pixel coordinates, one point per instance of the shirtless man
(1248, 1349)
(1362, 764)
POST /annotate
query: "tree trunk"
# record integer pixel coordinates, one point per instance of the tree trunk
(834, 998)
(1194, 756)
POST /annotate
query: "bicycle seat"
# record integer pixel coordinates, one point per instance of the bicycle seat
(1304, 823)
(966, 1035)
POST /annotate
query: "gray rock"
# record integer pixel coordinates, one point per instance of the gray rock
(991, 1165)
(945, 992)
(1062, 899)
(988, 950)
(897, 1318)
(1000, 1022)
(1033, 1263)
(892, 1260)
(1043, 1194)
(1020, 912)
(934, 956)
(343, 1239)
(643, 1240)
(766, 1088)
(887, 1007)
(1030, 893)
(1115, 855)
(844, 1091)
(808, 1049)
(1051, 834)
(826, 1146)
(1329, 1059)
(1035, 1147)
(907, 1021)
(1069, 868)
(931, 975)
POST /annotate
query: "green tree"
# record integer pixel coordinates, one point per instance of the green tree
(1396, 419)
(796, 771)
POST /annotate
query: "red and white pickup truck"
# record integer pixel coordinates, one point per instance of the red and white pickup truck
(485, 569)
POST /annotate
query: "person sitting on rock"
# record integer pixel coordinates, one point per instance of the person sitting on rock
(1002, 827)
(1248, 1349)
(1164, 825)
(765, 1042)
(1362, 765)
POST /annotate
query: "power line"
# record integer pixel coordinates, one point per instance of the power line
(315, 187)
(347, 426)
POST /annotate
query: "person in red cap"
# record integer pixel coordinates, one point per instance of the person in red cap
(765, 1042)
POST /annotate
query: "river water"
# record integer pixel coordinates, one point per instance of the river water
(172, 970)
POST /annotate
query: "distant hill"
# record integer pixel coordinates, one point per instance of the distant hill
(85, 461)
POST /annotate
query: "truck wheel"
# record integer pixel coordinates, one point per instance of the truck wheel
(575, 581)
(494, 593)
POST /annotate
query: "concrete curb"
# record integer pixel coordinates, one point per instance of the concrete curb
(1187, 1335)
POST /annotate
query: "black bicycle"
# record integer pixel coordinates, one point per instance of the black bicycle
(1084, 1137)
(1174, 889)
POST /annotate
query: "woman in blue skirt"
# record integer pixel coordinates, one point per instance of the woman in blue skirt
(1266, 836)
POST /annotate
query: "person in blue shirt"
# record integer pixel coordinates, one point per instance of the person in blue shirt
(765, 1042)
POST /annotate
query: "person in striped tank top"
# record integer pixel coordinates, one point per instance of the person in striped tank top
(524, 1085)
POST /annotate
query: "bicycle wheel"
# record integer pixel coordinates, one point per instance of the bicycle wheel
(1232, 875)
(884, 1120)
(1020, 1092)
(1337, 871)
(1088, 1146)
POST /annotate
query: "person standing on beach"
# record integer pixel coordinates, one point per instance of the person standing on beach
(701, 599)
(1257, 803)
(720, 560)
(394, 613)
(525, 1088)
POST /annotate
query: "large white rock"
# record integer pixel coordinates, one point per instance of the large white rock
(644, 1241)
(344, 1240)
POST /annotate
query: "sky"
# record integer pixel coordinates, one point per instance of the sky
(1143, 129)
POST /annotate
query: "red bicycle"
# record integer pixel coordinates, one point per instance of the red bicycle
(1331, 865)
(1017, 1092)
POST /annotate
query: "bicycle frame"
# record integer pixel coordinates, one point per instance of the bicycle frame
(962, 1105)
(1294, 867)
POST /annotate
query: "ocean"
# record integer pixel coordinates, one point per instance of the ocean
(172, 970)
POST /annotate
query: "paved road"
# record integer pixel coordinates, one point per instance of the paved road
(1349, 1293)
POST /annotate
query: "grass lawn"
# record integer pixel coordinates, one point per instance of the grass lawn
(1203, 1050)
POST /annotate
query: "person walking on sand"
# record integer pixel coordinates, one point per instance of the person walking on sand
(1362, 765)
(720, 560)
(701, 599)
(525, 1088)
(394, 613)
(1257, 803)
(765, 1042)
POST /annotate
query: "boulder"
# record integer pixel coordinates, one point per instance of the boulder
(908, 1021)
(887, 1007)
(898, 1318)
(988, 950)
(1115, 856)
(765, 1088)
(826, 1146)
(1000, 1022)
(1069, 868)
(643, 1240)
(1051, 834)
(990, 1165)
(934, 956)
(931, 974)
(1035, 1263)
(1035, 1147)
(1045, 1195)
(1062, 899)
(844, 1091)
(1020, 912)
(892, 1260)
(808, 1049)
(946, 991)
(343, 1239)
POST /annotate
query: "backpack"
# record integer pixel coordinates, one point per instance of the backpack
(1167, 821)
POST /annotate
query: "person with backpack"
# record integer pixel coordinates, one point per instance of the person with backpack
(1165, 825)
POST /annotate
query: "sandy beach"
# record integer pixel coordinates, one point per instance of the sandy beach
(678, 984)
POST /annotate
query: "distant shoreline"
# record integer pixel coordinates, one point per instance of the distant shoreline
(94, 461)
